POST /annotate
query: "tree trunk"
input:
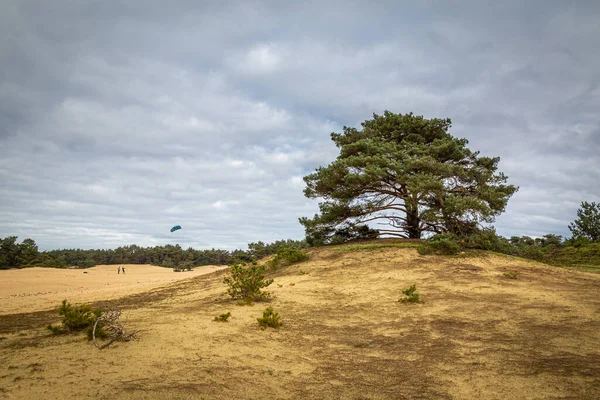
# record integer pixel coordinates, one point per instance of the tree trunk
(412, 224)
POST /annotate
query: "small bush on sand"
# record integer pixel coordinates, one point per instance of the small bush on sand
(246, 281)
(77, 318)
(511, 275)
(184, 266)
(411, 295)
(270, 318)
(223, 317)
(287, 255)
(292, 255)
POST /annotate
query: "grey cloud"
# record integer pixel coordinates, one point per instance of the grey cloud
(119, 119)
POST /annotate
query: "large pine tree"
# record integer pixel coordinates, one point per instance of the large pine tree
(409, 174)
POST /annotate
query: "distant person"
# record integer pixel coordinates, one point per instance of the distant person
(119, 270)
(123, 270)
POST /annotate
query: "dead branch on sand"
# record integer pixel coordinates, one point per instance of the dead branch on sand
(114, 329)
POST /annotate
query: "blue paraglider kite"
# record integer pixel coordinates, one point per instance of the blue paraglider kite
(176, 227)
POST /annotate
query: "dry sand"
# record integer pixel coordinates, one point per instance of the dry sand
(35, 289)
(478, 335)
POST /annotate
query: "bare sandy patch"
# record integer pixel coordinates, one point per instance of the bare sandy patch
(36, 289)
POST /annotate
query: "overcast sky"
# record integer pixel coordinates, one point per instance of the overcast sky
(120, 119)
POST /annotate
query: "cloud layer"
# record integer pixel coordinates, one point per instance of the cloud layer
(119, 120)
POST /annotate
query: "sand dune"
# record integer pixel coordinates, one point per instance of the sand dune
(478, 335)
(36, 289)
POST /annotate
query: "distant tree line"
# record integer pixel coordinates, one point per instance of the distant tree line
(402, 171)
(26, 254)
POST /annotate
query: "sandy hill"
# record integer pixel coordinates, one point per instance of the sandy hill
(478, 334)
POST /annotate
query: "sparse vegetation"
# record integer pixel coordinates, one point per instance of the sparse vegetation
(511, 274)
(411, 295)
(223, 317)
(338, 311)
(246, 282)
(286, 256)
(77, 318)
(445, 244)
(108, 327)
(577, 253)
(184, 266)
(585, 257)
(270, 318)
(259, 250)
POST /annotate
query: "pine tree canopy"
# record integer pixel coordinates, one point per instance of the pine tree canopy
(409, 174)
(587, 223)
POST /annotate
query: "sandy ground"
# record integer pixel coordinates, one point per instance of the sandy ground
(35, 289)
(478, 335)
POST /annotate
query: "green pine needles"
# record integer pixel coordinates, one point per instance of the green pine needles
(270, 318)
(411, 295)
(286, 256)
(77, 318)
(223, 317)
(246, 282)
(407, 173)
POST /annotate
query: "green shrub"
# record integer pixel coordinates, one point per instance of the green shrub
(55, 330)
(411, 295)
(577, 241)
(273, 263)
(511, 275)
(317, 235)
(286, 256)
(445, 244)
(292, 255)
(552, 240)
(532, 252)
(573, 252)
(270, 318)
(76, 319)
(223, 317)
(246, 281)
(486, 239)
(100, 332)
(184, 266)
(586, 255)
